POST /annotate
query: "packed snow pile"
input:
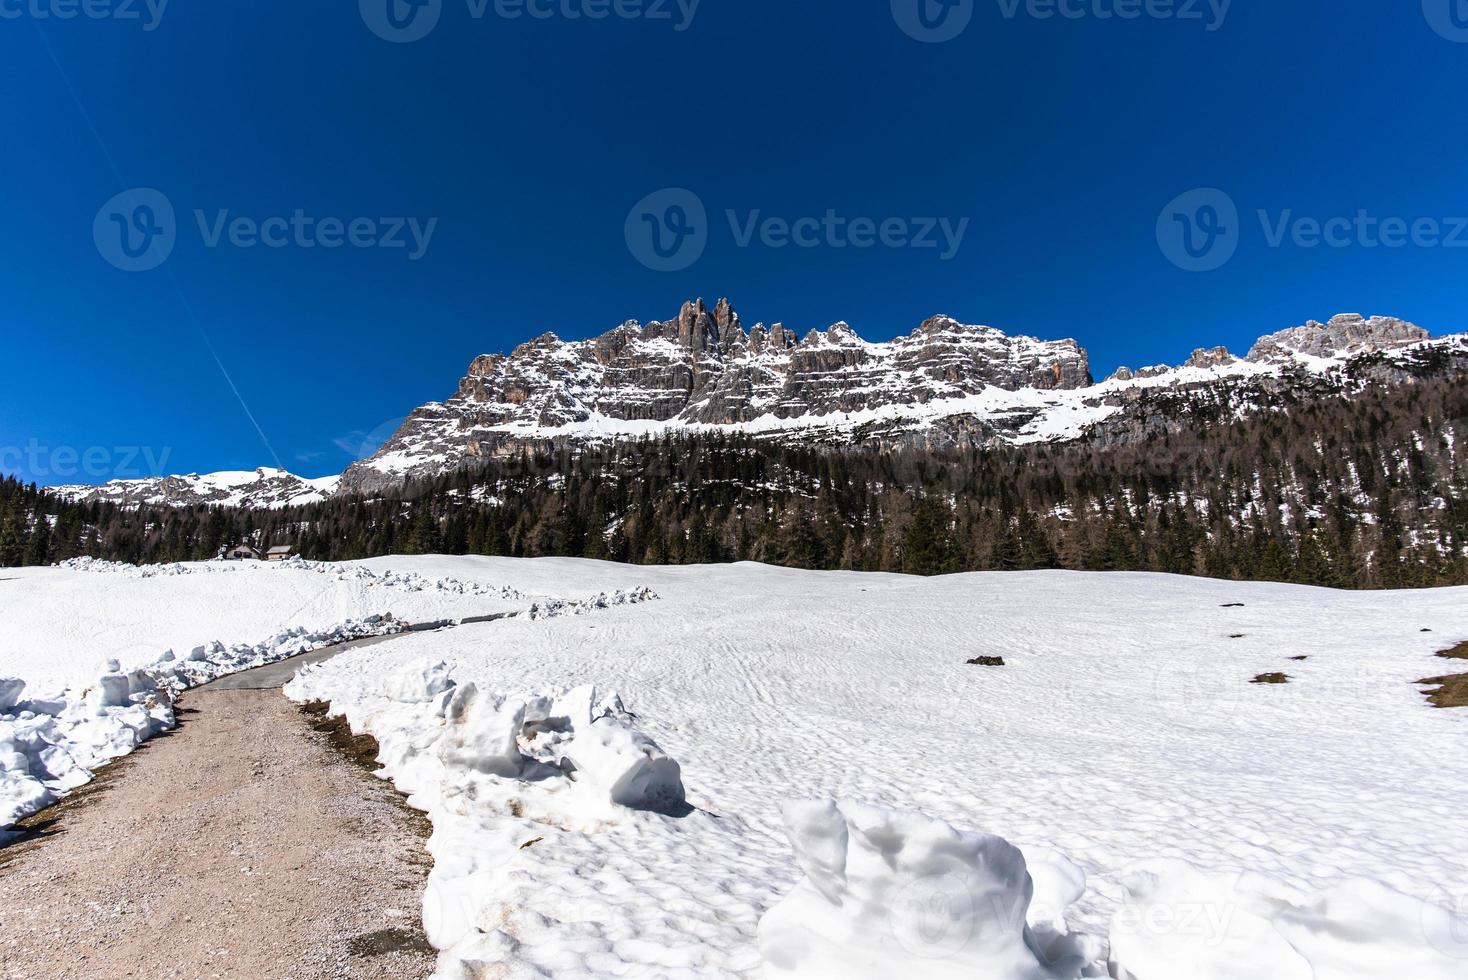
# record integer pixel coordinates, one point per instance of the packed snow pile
(61, 621)
(1182, 922)
(889, 894)
(486, 765)
(51, 743)
(213, 660)
(407, 582)
(103, 565)
(576, 607)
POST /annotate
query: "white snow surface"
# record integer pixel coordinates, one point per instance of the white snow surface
(92, 653)
(1123, 732)
(61, 622)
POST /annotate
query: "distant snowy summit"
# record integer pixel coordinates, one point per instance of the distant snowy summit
(261, 488)
(945, 384)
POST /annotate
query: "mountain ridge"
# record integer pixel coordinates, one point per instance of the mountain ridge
(944, 383)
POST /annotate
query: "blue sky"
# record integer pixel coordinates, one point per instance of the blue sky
(523, 144)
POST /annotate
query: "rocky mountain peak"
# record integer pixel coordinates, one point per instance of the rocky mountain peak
(944, 381)
(1210, 357)
(1343, 335)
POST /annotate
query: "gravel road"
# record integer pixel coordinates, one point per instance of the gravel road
(244, 845)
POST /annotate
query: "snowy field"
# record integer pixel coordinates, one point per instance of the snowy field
(1123, 730)
(57, 625)
(643, 785)
(92, 654)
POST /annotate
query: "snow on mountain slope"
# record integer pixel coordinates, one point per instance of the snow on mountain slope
(1123, 729)
(946, 382)
(264, 487)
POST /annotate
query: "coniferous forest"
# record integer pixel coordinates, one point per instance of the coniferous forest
(1365, 492)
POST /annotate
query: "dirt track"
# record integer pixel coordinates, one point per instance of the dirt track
(244, 845)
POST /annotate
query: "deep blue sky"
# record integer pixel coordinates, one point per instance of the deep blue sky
(1061, 141)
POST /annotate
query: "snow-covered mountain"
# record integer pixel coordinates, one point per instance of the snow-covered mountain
(264, 487)
(945, 383)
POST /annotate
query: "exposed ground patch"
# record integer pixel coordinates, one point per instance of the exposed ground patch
(1452, 689)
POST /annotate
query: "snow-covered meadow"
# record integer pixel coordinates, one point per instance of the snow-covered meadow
(644, 786)
(93, 653)
(1173, 814)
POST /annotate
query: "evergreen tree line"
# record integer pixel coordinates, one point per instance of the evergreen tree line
(1363, 492)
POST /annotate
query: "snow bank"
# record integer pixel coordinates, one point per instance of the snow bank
(53, 743)
(50, 745)
(62, 621)
(889, 894)
(407, 582)
(1182, 922)
(497, 772)
(576, 607)
(625, 766)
